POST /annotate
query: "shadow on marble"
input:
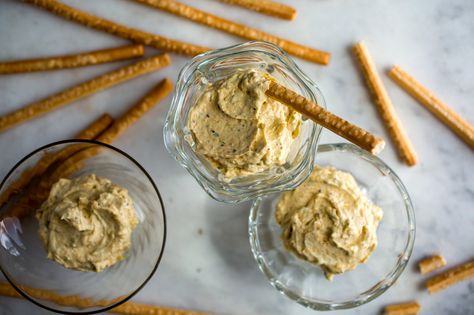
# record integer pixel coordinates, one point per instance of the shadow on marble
(228, 233)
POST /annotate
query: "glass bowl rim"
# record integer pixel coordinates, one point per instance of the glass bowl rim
(147, 175)
(226, 193)
(382, 285)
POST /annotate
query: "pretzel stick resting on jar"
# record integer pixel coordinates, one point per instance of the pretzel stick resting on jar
(321, 116)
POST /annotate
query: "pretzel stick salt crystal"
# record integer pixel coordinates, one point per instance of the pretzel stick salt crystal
(431, 263)
(267, 7)
(92, 131)
(86, 88)
(411, 308)
(384, 105)
(34, 197)
(442, 111)
(117, 29)
(321, 116)
(450, 277)
(201, 17)
(127, 308)
(72, 61)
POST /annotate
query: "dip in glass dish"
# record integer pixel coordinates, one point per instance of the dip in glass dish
(305, 282)
(211, 67)
(24, 259)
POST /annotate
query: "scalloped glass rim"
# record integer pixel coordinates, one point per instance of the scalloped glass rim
(381, 286)
(107, 308)
(228, 192)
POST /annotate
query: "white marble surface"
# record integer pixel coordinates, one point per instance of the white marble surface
(215, 271)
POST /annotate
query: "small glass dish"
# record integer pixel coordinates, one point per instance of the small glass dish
(305, 282)
(213, 66)
(23, 258)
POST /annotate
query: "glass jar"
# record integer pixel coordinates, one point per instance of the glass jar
(305, 282)
(24, 259)
(212, 66)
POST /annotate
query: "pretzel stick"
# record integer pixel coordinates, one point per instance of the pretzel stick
(82, 90)
(443, 112)
(267, 7)
(92, 131)
(38, 190)
(201, 17)
(450, 277)
(431, 263)
(128, 308)
(75, 162)
(321, 116)
(35, 196)
(411, 308)
(72, 61)
(96, 128)
(71, 300)
(159, 92)
(65, 169)
(117, 29)
(384, 105)
(149, 101)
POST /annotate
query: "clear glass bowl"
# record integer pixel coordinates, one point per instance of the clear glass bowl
(213, 66)
(23, 258)
(305, 282)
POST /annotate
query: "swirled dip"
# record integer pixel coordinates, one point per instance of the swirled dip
(86, 223)
(240, 130)
(329, 221)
